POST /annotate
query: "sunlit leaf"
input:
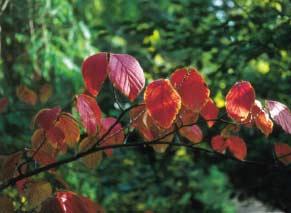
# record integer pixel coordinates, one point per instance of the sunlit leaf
(126, 75)
(3, 104)
(237, 147)
(70, 202)
(209, 112)
(283, 152)
(191, 87)
(281, 114)
(46, 118)
(261, 118)
(93, 160)
(192, 133)
(6, 205)
(239, 101)
(218, 143)
(187, 117)
(94, 72)
(90, 113)
(70, 128)
(45, 92)
(162, 102)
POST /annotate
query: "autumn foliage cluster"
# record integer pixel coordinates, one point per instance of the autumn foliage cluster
(168, 107)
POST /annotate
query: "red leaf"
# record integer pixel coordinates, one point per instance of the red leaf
(8, 165)
(115, 136)
(283, 153)
(191, 87)
(90, 113)
(126, 75)
(237, 147)
(280, 114)
(192, 133)
(239, 101)
(261, 118)
(187, 117)
(3, 103)
(234, 144)
(56, 138)
(26, 95)
(70, 202)
(209, 112)
(218, 143)
(45, 118)
(162, 102)
(94, 72)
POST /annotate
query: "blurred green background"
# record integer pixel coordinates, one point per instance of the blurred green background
(227, 40)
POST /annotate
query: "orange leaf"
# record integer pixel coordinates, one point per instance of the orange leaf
(191, 87)
(126, 75)
(45, 153)
(26, 95)
(3, 103)
(70, 128)
(46, 118)
(239, 101)
(94, 159)
(45, 92)
(137, 118)
(209, 112)
(283, 152)
(90, 113)
(94, 72)
(192, 133)
(237, 147)
(187, 117)
(162, 102)
(262, 119)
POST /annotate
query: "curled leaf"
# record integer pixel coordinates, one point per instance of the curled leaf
(239, 101)
(261, 118)
(94, 72)
(191, 87)
(281, 114)
(126, 74)
(162, 102)
(90, 113)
